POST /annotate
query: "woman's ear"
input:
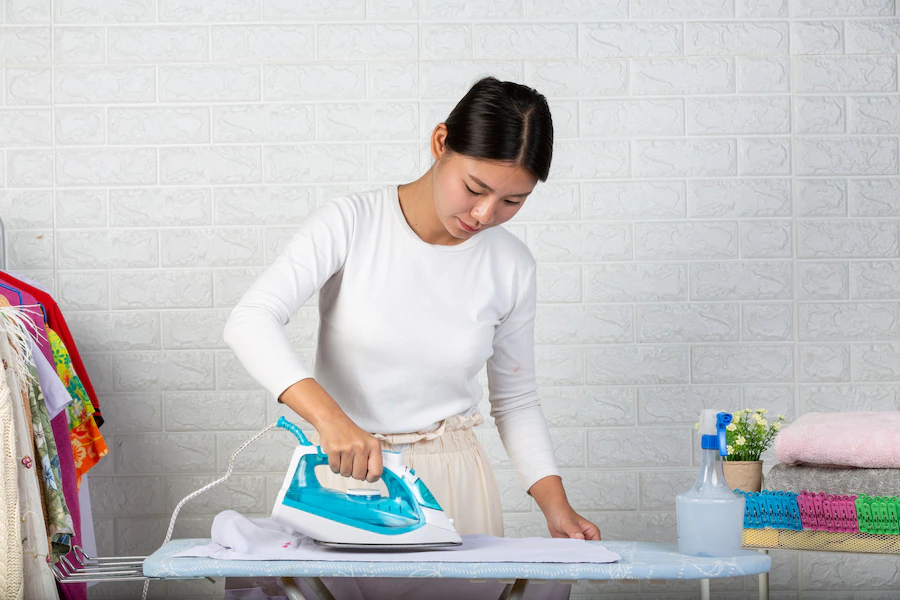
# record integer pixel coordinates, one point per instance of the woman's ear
(439, 141)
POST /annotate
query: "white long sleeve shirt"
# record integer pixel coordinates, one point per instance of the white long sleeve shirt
(404, 326)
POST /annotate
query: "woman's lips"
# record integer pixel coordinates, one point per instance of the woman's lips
(466, 227)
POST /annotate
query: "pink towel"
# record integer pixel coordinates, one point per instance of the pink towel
(870, 440)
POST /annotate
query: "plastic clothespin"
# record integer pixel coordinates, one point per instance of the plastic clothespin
(839, 511)
(853, 520)
(827, 513)
(794, 511)
(893, 510)
(864, 513)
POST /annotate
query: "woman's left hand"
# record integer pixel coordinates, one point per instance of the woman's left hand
(564, 522)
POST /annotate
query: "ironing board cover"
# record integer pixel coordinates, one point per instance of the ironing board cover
(640, 560)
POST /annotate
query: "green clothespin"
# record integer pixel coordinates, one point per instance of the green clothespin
(864, 513)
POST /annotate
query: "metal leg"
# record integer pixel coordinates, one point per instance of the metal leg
(764, 582)
(291, 589)
(704, 589)
(514, 591)
(319, 588)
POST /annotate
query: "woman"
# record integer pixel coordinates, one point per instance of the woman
(418, 289)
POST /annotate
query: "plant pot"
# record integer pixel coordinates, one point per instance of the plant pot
(745, 475)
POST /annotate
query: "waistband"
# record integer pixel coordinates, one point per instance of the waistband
(454, 423)
(452, 434)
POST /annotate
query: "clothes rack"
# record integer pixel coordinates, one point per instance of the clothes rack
(2, 246)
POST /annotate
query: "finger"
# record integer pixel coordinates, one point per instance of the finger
(375, 466)
(346, 464)
(360, 466)
(334, 462)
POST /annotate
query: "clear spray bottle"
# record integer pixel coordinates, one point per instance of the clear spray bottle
(710, 516)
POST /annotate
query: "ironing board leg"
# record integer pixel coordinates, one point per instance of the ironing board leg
(764, 582)
(319, 588)
(704, 589)
(291, 589)
(293, 592)
(514, 591)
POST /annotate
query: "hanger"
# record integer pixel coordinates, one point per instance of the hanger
(3, 268)
(22, 300)
(14, 291)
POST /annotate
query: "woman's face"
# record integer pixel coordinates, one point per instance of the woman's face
(471, 195)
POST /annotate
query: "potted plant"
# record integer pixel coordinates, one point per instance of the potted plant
(747, 437)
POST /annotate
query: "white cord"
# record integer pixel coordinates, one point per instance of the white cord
(196, 493)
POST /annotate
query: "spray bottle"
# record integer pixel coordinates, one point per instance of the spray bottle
(710, 515)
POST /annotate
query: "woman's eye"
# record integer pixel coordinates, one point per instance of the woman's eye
(512, 203)
(471, 191)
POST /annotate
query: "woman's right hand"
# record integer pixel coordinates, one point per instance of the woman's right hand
(352, 451)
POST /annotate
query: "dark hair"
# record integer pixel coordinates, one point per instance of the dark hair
(503, 121)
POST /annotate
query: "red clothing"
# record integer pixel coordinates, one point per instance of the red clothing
(58, 323)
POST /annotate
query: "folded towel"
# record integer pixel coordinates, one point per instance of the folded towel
(870, 440)
(834, 480)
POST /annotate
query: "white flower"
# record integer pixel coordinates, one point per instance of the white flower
(740, 441)
(697, 425)
(776, 425)
(731, 427)
(730, 449)
(762, 411)
(781, 417)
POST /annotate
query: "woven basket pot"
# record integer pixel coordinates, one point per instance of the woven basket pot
(745, 475)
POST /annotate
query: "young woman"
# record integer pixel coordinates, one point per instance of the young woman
(418, 289)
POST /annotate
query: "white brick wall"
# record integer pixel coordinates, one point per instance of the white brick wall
(721, 227)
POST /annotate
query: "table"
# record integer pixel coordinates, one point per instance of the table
(640, 560)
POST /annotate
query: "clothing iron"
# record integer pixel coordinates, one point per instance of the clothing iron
(408, 518)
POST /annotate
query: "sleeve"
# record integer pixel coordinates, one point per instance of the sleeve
(255, 328)
(512, 382)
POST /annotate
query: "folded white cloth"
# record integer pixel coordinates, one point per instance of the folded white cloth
(236, 537)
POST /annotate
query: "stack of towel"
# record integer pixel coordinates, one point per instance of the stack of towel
(839, 453)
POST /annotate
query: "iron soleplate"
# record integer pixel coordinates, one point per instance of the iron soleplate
(389, 547)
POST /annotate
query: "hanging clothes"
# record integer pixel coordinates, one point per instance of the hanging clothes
(31, 525)
(60, 526)
(56, 321)
(88, 444)
(12, 568)
(59, 521)
(64, 455)
(56, 396)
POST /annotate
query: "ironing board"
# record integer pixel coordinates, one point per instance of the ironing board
(640, 560)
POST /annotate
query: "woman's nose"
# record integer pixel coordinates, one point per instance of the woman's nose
(484, 212)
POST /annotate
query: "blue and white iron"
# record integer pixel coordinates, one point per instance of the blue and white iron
(407, 518)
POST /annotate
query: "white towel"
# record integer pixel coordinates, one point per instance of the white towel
(236, 537)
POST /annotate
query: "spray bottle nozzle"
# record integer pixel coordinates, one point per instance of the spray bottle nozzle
(714, 438)
(723, 419)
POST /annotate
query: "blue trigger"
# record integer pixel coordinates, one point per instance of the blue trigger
(723, 419)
